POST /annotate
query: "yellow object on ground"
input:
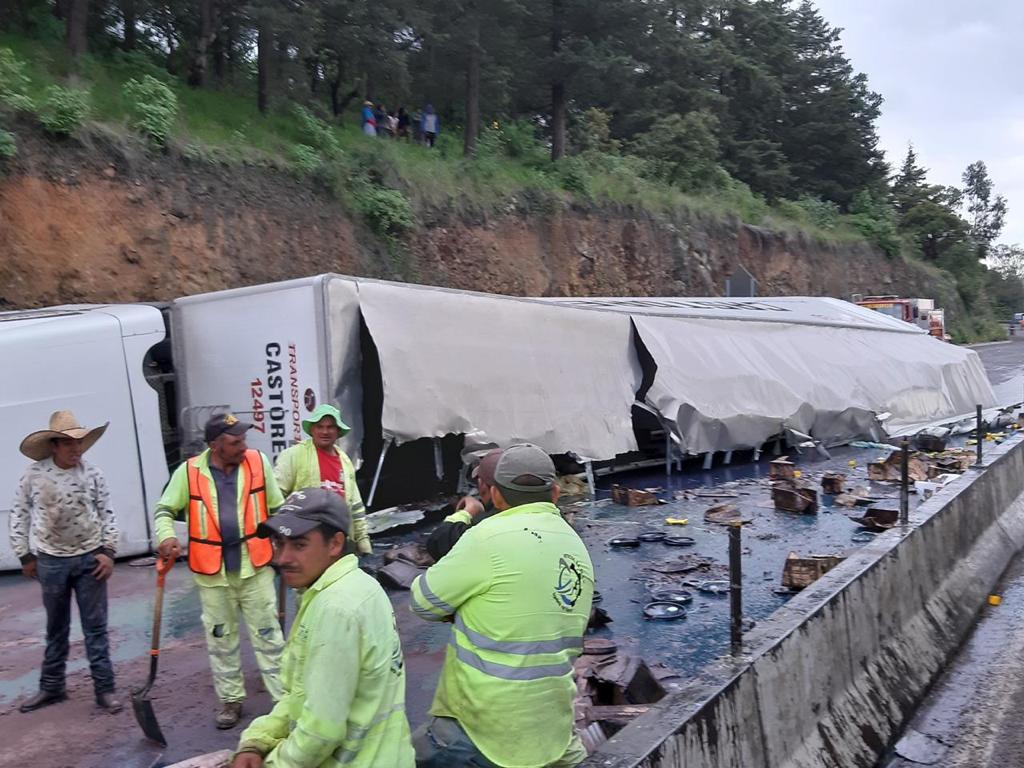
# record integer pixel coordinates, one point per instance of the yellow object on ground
(994, 600)
(676, 520)
(254, 597)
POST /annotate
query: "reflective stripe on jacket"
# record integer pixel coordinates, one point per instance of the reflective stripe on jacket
(298, 467)
(174, 504)
(520, 587)
(205, 544)
(344, 680)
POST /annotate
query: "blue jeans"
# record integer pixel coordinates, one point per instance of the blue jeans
(59, 577)
(442, 743)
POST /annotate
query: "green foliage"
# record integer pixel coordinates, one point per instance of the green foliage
(305, 158)
(593, 132)
(153, 107)
(315, 133)
(14, 83)
(823, 214)
(388, 212)
(876, 220)
(683, 150)
(64, 110)
(8, 145)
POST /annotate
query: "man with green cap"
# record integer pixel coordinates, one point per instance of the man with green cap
(320, 463)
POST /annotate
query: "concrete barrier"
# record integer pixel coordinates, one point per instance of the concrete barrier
(830, 678)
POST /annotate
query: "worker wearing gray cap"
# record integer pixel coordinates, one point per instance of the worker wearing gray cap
(343, 673)
(518, 591)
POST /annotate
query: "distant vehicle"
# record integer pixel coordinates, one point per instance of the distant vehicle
(920, 312)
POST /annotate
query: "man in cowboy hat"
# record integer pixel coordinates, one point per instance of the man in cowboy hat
(320, 463)
(225, 493)
(65, 503)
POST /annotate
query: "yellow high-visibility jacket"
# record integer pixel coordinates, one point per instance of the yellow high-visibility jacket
(519, 587)
(344, 681)
(298, 467)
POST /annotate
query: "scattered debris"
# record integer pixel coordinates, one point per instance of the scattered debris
(392, 517)
(664, 611)
(795, 496)
(651, 536)
(782, 469)
(879, 517)
(624, 541)
(680, 596)
(890, 469)
(679, 541)
(681, 564)
(399, 574)
(629, 678)
(599, 646)
(413, 552)
(833, 482)
(725, 514)
(858, 497)
(932, 440)
(573, 485)
(219, 759)
(714, 587)
(633, 497)
(799, 572)
(598, 618)
(712, 494)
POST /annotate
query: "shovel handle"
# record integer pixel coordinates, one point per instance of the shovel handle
(163, 566)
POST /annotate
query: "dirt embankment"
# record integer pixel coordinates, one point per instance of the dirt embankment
(100, 224)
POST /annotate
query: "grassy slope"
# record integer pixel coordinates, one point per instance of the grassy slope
(224, 124)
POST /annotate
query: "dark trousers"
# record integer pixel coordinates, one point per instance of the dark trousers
(59, 578)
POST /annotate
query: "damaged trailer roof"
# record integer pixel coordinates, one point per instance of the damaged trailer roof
(731, 373)
(502, 370)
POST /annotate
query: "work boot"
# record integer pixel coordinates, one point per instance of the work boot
(109, 702)
(229, 713)
(42, 699)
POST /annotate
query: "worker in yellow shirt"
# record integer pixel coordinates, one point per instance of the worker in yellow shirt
(224, 494)
(320, 463)
(518, 590)
(344, 676)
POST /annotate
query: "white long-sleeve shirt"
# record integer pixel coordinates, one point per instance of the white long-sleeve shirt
(67, 511)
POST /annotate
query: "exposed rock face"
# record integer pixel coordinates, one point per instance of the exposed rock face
(91, 224)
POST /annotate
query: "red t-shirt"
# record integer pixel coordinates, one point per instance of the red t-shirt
(331, 477)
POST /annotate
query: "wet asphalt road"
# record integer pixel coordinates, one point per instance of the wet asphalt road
(184, 699)
(972, 716)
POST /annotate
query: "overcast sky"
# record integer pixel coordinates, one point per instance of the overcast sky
(952, 74)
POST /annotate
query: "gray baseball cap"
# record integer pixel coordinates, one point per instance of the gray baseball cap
(525, 468)
(304, 510)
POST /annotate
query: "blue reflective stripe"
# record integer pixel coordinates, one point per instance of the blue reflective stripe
(504, 671)
(522, 647)
(356, 735)
(424, 613)
(436, 601)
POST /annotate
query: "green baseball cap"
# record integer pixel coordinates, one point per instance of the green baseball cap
(325, 409)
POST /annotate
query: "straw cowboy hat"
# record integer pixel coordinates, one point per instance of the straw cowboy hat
(39, 445)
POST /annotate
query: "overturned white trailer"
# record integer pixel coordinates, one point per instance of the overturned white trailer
(728, 374)
(410, 365)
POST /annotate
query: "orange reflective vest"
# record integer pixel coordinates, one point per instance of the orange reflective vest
(205, 546)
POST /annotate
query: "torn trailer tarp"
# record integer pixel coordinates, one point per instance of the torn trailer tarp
(502, 370)
(734, 378)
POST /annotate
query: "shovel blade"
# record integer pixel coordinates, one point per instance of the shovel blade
(146, 718)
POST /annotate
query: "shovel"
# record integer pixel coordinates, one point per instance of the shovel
(140, 699)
